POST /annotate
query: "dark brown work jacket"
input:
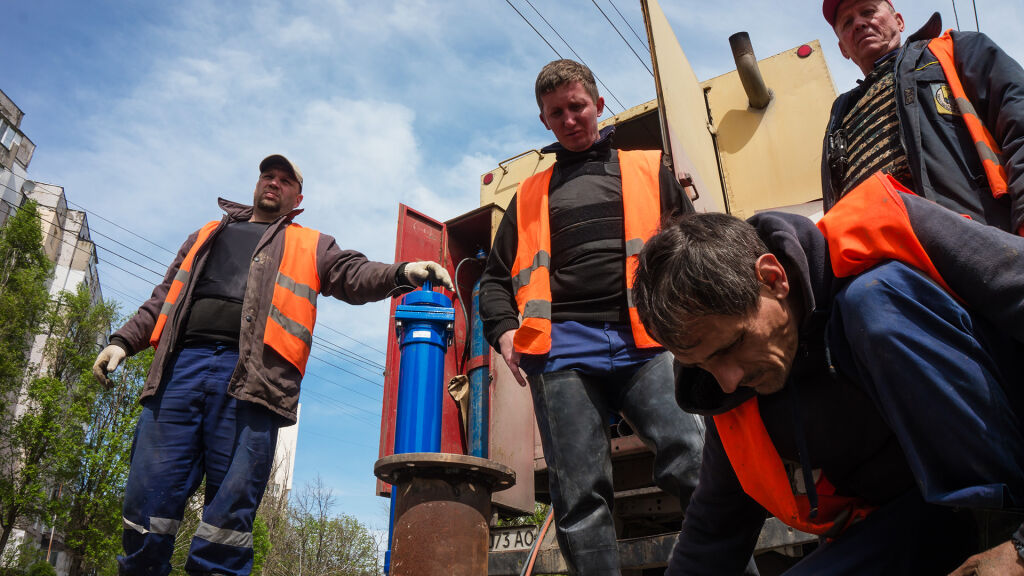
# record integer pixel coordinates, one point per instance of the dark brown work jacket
(263, 376)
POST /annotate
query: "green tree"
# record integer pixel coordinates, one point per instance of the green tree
(92, 531)
(261, 545)
(24, 271)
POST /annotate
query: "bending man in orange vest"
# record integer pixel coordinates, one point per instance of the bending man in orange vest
(942, 114)
(876, 412)
(232, 324)
(562, 260)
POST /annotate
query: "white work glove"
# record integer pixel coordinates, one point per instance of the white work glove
(418, 272)
(107, 361)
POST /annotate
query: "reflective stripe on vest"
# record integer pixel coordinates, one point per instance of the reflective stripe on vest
(292, 313)
(531, 278)
(180, 279)
(763, 477)
(870, 225)
(988, 149)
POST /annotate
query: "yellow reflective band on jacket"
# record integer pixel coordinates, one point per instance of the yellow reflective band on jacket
(531, 277)
(292, 313)
(180, 279)
(988, 150)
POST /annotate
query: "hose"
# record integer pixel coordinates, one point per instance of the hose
(535, 549)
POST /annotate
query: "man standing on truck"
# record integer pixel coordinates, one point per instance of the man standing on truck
(232, 324)
(944, 115)
(562, 260)
(877, 412)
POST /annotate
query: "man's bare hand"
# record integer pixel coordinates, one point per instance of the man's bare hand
(107, 361)
(508, 352)
(999, 561)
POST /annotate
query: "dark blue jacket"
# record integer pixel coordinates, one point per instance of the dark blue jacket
(943, 162)
(845, 435)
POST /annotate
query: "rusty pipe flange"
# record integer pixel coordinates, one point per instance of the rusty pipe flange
(442, 510)
(396, 468)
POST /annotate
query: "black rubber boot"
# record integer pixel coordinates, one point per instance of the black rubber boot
(648, 403)
(571, 412)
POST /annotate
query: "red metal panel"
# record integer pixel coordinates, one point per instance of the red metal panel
(419, 238)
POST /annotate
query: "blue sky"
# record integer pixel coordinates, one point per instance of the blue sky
(147, 111)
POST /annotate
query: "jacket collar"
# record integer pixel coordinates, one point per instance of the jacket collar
(931, 29)
(243, 212)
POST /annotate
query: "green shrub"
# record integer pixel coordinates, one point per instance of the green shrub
(41, 569)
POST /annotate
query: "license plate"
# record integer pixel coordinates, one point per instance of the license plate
(512, 538)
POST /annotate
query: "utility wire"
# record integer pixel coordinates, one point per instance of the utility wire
(332, 349)
(364, 362)
(977, 25)
(642, 42)
(361, 377)
(955, 17)
(534, 28)
(351, 410)
(125, 295)
(630, 46)
(109, 263)
(158, 274)
(146, 256)
(353, 339)
(114, 224)
(578, 57)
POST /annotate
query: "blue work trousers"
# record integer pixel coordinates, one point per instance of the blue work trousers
(947, 384)
(192, 427)
(950, 388)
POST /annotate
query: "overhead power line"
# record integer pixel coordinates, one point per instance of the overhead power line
(630, 46)
(630, 26)
(118, 226)
(530, 24)
(578, 57)
(559, 54)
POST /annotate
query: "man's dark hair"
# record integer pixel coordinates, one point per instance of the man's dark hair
(697, 265)
(560, 72)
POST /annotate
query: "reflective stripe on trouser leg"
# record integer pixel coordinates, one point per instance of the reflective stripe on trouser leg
(571, 415)
(165, 465)
(241, 438)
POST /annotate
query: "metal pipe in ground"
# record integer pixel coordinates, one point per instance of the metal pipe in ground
(442, 509)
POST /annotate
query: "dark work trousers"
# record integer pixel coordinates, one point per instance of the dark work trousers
(907, 536)
(950, 388)
(947, 384)
(591, 371)
(189, 429)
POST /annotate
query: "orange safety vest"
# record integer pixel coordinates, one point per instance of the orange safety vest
(763, 477)
(180, 279)
(292, 316)
(870, 225)
(531, 278)
(988, 149)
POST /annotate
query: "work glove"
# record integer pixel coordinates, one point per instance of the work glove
(419, 272)
(107, 361)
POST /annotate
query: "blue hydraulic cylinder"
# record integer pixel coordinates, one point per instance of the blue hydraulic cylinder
(423, 322)
(479, 382)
